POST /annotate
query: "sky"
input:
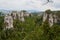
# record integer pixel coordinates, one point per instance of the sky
(29, 5)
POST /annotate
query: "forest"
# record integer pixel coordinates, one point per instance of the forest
(31, 29)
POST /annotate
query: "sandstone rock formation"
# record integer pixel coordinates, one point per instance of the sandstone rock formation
(8, 20)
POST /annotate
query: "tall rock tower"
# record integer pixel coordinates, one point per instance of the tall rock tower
(21, 16)
(50, 17)
(8, 20)
(18, 15)
(14, 14)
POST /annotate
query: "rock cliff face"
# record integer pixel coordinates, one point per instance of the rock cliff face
(8, 20)
(20, 15)
(52, 18)
(14, 14)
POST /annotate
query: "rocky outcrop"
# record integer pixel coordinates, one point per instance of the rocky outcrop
(14, 14)
(19, 15)
(8, 20)
(50, 17)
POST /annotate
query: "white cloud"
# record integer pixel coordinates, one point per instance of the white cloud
(29, 4)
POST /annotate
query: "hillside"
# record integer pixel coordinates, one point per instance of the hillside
(31, 29)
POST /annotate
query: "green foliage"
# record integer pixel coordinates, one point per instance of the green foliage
(1, 22)
(31, 29)
(48, 11)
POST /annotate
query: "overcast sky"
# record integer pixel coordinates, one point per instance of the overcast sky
(29, 5)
